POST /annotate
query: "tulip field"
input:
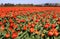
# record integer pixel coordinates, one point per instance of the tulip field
(29, 22)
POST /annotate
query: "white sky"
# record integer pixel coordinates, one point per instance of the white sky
(29, 1)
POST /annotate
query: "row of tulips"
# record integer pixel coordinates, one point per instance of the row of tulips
(36, 25)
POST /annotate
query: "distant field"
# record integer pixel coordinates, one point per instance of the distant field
(5, 10)
(56, 9)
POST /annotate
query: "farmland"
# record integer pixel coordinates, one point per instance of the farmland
(29, 22)
(31, 8)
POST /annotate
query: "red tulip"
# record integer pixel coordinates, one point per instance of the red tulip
(50, 33)
(46, 26)
(32, 25)
(14, 34)
(37, 20)
(1, 23)
(56, 33)
(25, 28)
(53, 25)
(31, 30)
(2, 27)
(7, 35)
(54, 16)
(10, 20)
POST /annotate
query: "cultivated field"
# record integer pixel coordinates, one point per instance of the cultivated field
(29, 22)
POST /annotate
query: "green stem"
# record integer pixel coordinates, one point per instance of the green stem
(23, 34)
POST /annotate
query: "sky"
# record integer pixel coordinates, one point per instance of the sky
(29, 1)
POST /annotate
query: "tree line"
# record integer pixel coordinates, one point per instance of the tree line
(38, 5)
